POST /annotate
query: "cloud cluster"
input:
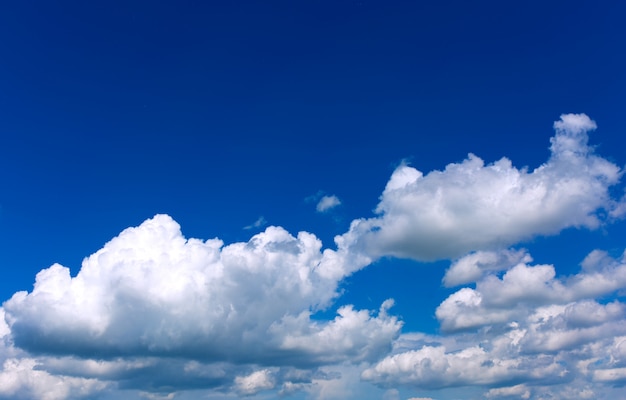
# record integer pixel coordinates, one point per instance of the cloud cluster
(496, 299)
(471, 206)
(158, 313)
(521, 333)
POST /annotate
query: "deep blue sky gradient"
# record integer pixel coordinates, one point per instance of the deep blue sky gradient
(220, 112)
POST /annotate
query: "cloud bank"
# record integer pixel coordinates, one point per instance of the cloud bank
(156, 313)
(527, 332)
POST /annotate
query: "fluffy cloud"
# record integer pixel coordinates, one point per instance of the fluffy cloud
(527, 333)
(327, 202)
(471, 206)
(255, 382)
(434, 367)
(151, 293)
(474, 265)
(496, 300)
(21, 379)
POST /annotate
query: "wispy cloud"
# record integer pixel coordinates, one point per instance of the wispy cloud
(327, 202)
(260, 222)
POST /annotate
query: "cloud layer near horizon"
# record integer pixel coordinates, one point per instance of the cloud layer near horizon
(524, 331)
(157, 312)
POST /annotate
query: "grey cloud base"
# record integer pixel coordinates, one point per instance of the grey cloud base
(155, 312)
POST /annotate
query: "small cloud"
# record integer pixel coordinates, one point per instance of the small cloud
(257, 224)
(327, 202)
(255, 382)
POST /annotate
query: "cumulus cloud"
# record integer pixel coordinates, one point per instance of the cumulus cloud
(474, 265)
(327, 202)
(495, 299)
(21, 379)
(357, 330)
(255, 382)
(527, 333)
(434, 367)
(470, 206)
(245, 303)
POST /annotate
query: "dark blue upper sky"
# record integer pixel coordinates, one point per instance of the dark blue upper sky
(220, 112)
(217, 113)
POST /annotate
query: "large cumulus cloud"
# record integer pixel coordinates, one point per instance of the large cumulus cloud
(152, 293)
(189, 298)
(472, 206)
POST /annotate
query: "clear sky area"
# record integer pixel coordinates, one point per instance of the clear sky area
(347, 199)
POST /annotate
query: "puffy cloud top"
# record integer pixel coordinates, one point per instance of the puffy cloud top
(150, 291)
(471, 206)
(522, 334)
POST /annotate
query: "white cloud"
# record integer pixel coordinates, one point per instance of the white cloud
(357, 332)
(471, 206)
(472, 266)
(4, 328)
(526, 334)
(517, 391)
(21, 379)
(433, 367)
(255, 382)
(610, 375)
(496, 300)
(241, 304)
(327, 202)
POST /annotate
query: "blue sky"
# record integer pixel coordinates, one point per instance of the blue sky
(219, 200)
